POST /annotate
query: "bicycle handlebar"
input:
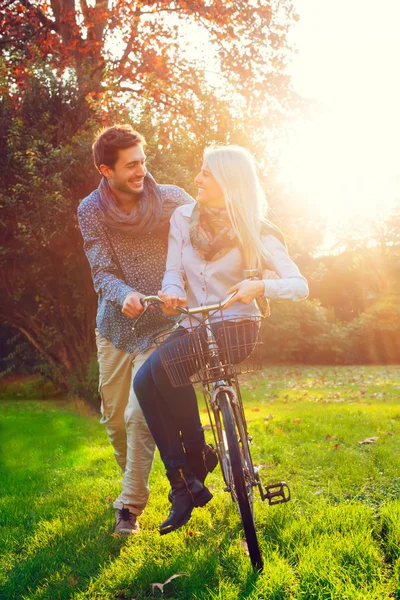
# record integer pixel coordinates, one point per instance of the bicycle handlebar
(190, 311)
(146, 301)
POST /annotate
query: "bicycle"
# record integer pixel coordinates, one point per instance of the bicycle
(204, 358)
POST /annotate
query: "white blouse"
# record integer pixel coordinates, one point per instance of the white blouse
(208, 281)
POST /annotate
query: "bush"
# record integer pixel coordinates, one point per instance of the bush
(305, 332)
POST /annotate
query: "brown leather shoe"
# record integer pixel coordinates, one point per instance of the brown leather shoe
(126, 522)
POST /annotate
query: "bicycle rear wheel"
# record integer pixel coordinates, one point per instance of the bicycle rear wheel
(242, 492)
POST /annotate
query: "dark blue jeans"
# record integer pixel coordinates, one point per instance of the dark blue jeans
(172, 413)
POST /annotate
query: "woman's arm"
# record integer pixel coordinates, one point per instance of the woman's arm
(291, 285)
(173, 284)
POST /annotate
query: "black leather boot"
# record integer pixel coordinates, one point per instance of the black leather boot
(201, 463)
(186, 493)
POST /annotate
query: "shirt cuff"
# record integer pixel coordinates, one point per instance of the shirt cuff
(171, 288)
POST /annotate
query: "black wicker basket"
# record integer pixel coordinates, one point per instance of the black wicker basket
(190, 359)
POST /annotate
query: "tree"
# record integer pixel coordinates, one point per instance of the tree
(44, 284)
(140, 50)
(67, 68)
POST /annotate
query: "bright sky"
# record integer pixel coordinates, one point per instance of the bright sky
(346, 161)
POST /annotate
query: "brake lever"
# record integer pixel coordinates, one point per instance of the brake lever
(146, 307)
(222, 304)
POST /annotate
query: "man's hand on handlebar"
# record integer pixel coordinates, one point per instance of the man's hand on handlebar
(132, 307)
(170, 302)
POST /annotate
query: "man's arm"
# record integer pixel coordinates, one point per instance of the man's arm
(106, 275)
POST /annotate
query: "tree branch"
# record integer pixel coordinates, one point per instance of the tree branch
(53, 25)
(7, 4)
(5, 41)
(38, 347)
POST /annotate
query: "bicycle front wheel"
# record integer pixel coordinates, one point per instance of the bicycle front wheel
(242, 491)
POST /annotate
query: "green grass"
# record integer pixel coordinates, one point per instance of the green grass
(339, 537)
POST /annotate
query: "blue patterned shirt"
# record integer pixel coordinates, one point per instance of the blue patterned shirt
(120, 264)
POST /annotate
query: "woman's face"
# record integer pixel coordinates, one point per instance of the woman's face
(209, 192)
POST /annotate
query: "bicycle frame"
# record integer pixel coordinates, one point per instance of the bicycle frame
(211, 399)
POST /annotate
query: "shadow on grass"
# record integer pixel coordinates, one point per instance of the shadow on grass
(87, 561)
(50, 538)
(65, 565)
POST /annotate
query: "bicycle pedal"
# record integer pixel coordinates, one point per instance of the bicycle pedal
(277, 493)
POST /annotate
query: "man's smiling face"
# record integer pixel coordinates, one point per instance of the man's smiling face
(127, 175)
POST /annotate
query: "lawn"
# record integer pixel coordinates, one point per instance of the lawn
(331, 433)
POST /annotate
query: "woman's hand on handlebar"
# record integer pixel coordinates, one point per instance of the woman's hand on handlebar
(171, 301)
(246, 291)
(249, 289)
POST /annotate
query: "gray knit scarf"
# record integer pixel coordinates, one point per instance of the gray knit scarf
(150, 214)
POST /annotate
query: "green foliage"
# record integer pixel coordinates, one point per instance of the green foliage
(27, 388)
(45, 285)
(87, 386)
(305, 332)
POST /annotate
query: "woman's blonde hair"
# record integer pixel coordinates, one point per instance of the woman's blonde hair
(234, 169)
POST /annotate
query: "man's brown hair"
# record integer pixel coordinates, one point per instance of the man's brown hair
(110, 140)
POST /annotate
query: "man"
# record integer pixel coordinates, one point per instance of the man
(124, 224)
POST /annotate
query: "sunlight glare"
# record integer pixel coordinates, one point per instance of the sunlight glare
(344, 160)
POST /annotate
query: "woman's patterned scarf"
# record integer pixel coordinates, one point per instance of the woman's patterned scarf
(211, 232)
(150, 214)
(212, 235)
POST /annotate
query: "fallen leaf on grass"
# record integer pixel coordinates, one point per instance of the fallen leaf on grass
(243, 543)
(297, 421)
(160, 586)
(336, 446)
(109, 499)
(370, 440)
(255, 409)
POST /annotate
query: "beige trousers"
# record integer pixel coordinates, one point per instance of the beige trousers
(124, 421)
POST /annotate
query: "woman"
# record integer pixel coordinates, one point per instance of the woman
(210, 244)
